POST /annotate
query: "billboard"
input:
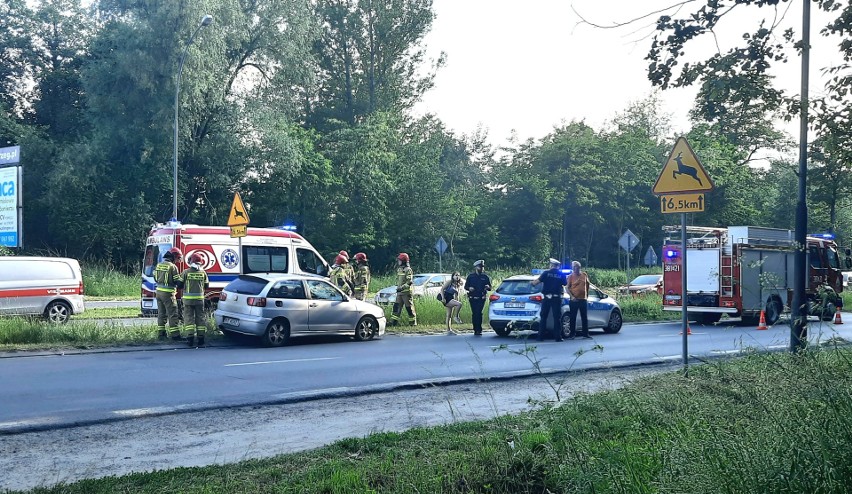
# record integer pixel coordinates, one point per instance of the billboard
(10, 197)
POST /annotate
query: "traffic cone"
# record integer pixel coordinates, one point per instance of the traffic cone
(762, 324)
(688, 330)
(837, 319)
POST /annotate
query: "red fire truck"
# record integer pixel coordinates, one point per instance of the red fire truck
(741, 270)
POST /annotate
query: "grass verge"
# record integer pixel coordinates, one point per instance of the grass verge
(764, 423)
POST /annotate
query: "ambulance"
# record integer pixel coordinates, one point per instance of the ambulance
(262, 250)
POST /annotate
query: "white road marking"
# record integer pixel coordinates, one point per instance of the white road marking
(282, 361)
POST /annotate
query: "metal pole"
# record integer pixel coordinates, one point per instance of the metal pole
(799, 310)
(205, 21)
(683, 300)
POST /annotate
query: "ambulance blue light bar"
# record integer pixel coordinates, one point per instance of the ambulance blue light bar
(825, 236)
(289, 227)
(671, 253)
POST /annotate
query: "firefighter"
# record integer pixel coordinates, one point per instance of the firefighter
(404, 280)
(348, 268)
(166, 275)
(194, 282)
(338, 275)
(362, 277)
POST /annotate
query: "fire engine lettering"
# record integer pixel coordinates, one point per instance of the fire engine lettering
(672, 268)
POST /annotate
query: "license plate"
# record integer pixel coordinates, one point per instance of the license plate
(514, 305)
(231, 320)
(148, 304)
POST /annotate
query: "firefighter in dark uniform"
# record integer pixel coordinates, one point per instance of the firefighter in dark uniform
(404, 291)
(195, 283)
(338, 275)
(554, 280)
(477, 286)
(362, 276)
(166, 275)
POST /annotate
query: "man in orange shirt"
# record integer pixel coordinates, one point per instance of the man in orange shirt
(578, 287)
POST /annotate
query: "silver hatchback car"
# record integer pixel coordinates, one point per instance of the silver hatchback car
(276, 307)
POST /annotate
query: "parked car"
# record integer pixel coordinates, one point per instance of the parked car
(50, 287)
(425, 285)
(643, 285)
(276, 307)
(847, 279)
(516, 305)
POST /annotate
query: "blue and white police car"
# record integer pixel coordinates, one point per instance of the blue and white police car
(516, 305)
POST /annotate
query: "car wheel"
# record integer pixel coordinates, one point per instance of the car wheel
(615, 322)
(57, 312)
(501, 330)
(773, 311)
(277, 334)
(366, 329)
(566, 324)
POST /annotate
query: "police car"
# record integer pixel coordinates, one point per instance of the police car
(516, 305)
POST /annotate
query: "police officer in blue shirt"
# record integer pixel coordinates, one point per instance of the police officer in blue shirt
(553, 280)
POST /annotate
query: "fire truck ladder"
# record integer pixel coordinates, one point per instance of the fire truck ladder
(727, 275)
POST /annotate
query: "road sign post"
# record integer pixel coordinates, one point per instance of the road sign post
(441, 247)
(628, 242)
(238, 220)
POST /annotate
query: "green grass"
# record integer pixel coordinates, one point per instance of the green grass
(102, 280)
(764, 423)
(108, 313)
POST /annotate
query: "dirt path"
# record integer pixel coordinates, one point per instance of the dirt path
(226, 436)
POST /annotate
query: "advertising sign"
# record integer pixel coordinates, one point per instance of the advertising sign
(9, 187)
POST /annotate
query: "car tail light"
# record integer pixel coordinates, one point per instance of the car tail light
(256, 301)
(536, 298)
(223, 296)
(494, 298)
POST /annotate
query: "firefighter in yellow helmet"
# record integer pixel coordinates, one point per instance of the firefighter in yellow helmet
(166, 275)
(338, 275)
(404, 281)
(362, 276)
(195, 284)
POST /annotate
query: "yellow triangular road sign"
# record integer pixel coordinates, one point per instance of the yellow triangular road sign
(682, 172)
(239, 216)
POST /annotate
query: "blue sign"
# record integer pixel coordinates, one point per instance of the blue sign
(10, 155)
(10, 226)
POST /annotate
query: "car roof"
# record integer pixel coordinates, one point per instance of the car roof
(281, 276)
(521, 277)
(431, 274)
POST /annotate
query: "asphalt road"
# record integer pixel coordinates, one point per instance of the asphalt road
(61, 390)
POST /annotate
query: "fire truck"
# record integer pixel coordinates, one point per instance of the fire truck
(262, 250)
(742, 270)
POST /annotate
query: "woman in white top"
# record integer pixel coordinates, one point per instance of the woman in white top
(450, 297)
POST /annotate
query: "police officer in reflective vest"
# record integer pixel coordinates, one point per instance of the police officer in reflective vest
(477, 285)
(362, 276)
(404, 281)
(554, 280)
(195, 283)
(166, 275)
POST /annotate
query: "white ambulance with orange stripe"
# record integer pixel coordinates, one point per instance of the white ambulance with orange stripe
(262, 250)
(50, 287)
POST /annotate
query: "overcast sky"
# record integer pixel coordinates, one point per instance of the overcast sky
(528, 66)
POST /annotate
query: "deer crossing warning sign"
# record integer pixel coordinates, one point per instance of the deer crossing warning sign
(682, 173)
(239, 215)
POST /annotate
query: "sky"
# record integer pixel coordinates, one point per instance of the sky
(527, 67)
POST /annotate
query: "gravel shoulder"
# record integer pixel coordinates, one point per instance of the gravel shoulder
(43, 459)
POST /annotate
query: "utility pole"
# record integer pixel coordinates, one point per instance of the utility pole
(799, 310)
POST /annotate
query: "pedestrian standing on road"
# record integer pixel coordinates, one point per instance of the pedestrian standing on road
(404, 291)
(362, 276)
(166, 275)
(578, 287)
(195, 284)
(553, 281)
(477, 285)
(450, 295)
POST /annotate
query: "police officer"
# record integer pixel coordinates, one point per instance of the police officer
(404, 281)
(166, 275)
(338, 275)
(477, 285)
(552, 291)
(362, 276)
(195, 283)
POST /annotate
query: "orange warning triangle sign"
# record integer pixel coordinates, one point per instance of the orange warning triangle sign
(682, 172)
(239, 216)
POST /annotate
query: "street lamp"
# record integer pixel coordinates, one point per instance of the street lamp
(205, 21)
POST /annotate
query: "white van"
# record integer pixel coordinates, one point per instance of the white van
(51, 287)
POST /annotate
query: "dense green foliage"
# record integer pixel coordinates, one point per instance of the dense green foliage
(305, 108)
(765, 423)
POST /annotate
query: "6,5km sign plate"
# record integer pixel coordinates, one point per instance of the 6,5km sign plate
(682, 203)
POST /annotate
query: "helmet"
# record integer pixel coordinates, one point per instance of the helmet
(195, 259)
(480, 262)
(344, 254)
(402, 257)
(173, 253)
(340, 260)
(361, 257)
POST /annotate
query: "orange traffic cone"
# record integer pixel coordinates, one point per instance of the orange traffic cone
(688, 330)
(837, 319)
(762, 324)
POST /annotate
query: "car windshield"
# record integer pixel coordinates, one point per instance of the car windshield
(420, 279)
(517, 287)
(647, 279)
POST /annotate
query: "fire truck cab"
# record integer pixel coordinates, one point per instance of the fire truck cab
(262, 250)
(743, 270)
